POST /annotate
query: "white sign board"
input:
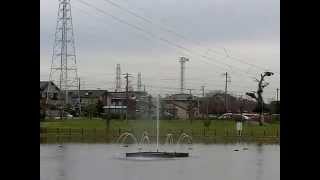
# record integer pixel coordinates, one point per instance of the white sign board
(239, 126)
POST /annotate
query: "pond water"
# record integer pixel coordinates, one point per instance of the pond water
(106, 161)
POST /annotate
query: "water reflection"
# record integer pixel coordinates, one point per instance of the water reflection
(52, 162)
(98, 162)
(260, 157)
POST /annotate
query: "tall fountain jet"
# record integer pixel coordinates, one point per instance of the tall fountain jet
(158, 112)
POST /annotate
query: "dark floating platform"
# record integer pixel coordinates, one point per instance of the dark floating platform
(158, 154)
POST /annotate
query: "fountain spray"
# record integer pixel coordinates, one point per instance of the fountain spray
(157, 153)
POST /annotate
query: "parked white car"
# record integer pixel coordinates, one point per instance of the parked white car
(225, 116)
(245, 117)
(66, 115)
(234, 116)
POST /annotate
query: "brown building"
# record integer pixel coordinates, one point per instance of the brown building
(135, 104)
(180, 106)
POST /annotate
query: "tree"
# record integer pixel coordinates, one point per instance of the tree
(191, 108)
(90, 110)
(215, 104)
(42, 111)
(258, 95)
(69, 109)
(206, 123)
(275, 107)
(99, 108)
(107, 118)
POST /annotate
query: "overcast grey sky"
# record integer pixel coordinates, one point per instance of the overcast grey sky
(248, 30)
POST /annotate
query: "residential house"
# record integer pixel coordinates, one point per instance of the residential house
(180, 106)
(49, 105)
(86, 97)
(49, 89)
(135, 104)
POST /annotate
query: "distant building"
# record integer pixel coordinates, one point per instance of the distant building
(115, 104)
(49, 89)
(274, 107)
(136, 104)
(49, 105)
(86, 97)
(180, 106)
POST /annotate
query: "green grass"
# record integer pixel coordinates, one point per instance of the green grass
(217, 127)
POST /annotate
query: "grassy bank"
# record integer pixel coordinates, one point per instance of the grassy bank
(217, 127)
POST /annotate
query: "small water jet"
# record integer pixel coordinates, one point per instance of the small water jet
(145, 138)
(124, 137)
(169, 139)
(185, 139)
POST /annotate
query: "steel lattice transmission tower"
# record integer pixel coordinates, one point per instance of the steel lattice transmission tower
(64, 67)
(182, 61)
(118, 78)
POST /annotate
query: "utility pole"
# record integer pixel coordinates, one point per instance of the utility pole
(127, 75)
(79, 85)
(278, 95)
(190, 106)
(202, 88)
(225, 92)
(79, 97)
(198, 108)
(149, 106)
(241, 106)
(207, 104)
(227, 80)
(182, 61)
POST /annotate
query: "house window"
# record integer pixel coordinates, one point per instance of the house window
(55, 96)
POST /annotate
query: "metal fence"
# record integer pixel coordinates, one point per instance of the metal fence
(53, 135)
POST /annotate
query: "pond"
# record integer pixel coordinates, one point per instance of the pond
(213, 161)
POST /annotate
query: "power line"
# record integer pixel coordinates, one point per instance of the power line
(154, 36)
(191, 82)
(182, 36)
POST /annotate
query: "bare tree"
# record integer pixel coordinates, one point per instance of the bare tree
(258, 95)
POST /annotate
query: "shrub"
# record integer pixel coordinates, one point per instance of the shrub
(42, 116)
(206, 123)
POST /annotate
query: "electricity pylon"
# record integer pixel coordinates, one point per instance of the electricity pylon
(63, 70)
